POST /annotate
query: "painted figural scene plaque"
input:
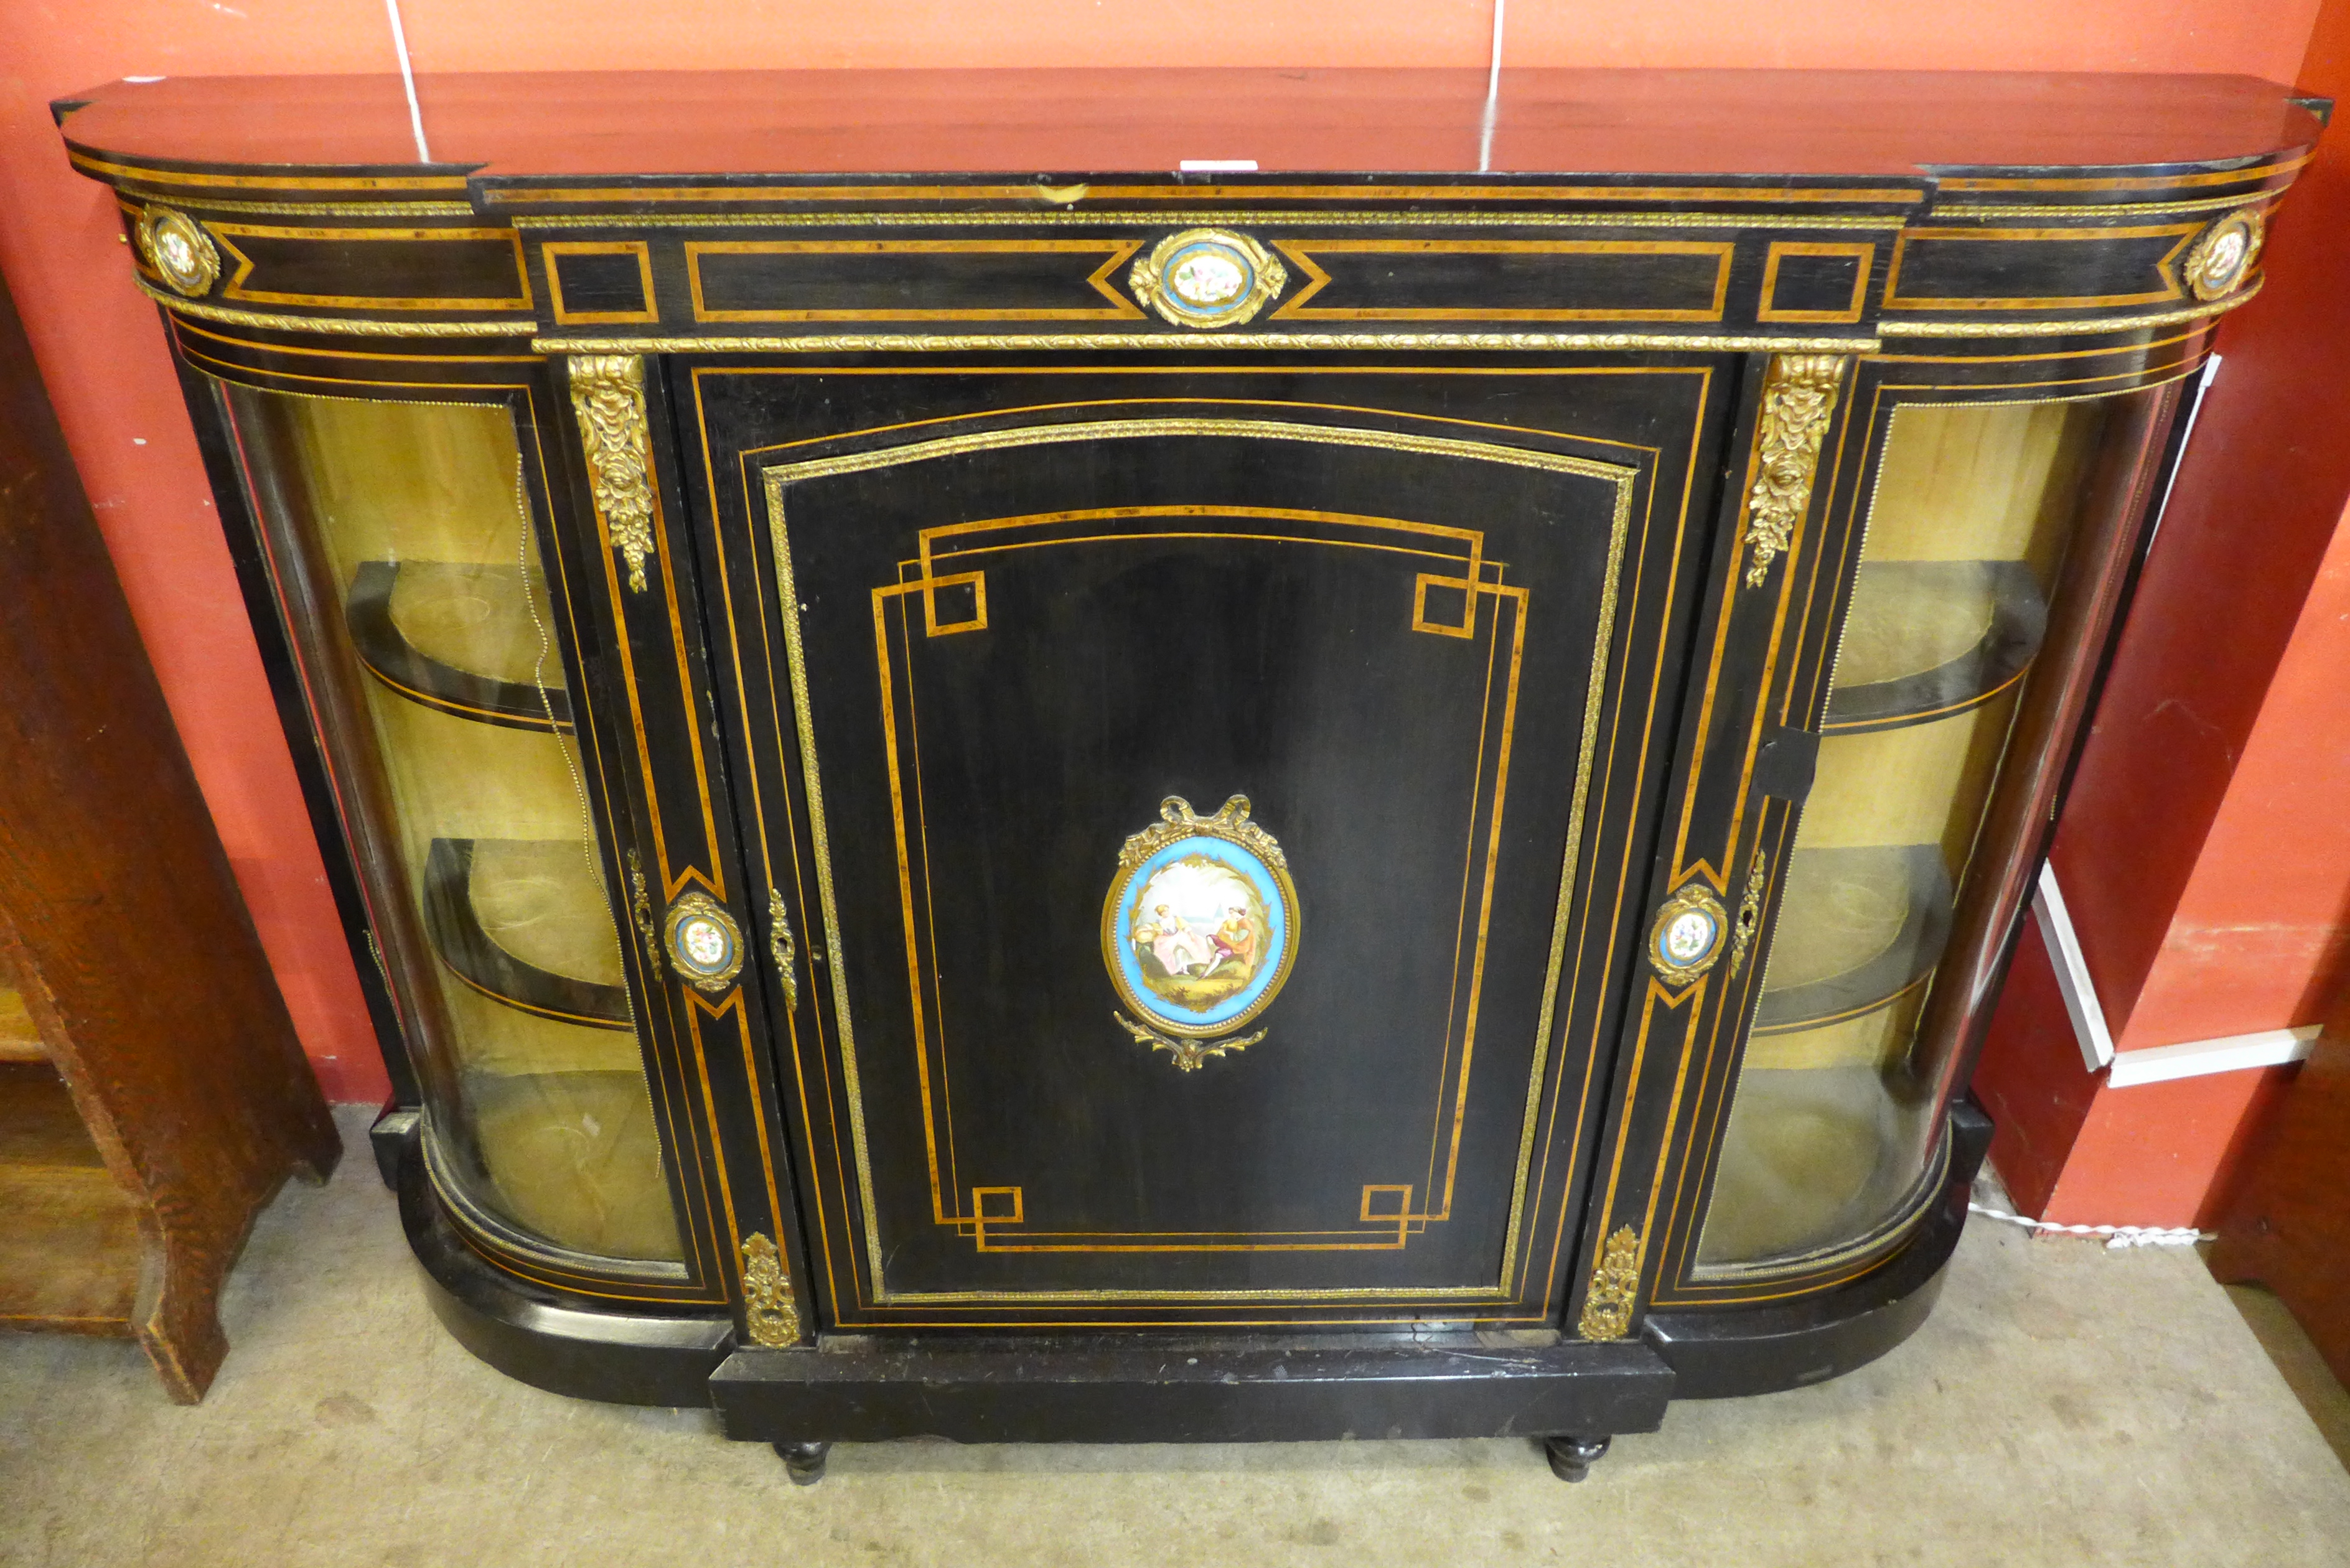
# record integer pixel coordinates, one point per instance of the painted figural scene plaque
(1199, 930)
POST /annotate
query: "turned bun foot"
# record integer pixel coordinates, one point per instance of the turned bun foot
(803, 1462)
(1570, 1459)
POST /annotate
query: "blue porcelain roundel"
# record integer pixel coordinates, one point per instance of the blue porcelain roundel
(1200, 927)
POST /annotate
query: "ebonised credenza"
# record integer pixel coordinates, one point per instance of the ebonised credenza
(989, 786)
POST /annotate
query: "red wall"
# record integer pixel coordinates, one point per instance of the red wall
(2073, 1149)
(2205, 850)
(2190, 939)
(2258, 941)
(104, 356)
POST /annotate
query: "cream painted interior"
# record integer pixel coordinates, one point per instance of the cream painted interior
(1818, 1141)
(561, 1113)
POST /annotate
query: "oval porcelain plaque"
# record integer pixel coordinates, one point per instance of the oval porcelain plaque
(706, 946)
(1690, 937)
(1207, 278)
(1209, 275)
(1686, 936)
(1200, 927)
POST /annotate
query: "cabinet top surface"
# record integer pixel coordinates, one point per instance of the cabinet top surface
(1332, 121)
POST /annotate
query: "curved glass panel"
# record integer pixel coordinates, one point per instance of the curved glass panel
(1836, 1115)
(400, 540)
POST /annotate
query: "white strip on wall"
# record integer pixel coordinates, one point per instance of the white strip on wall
(2156, 1063)
(2194, 411)
(407, 79)
(2081, 1003)
(2230, 1053)
(2151, 1063)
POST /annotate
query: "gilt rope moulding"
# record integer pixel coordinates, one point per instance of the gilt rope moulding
(849, 1005)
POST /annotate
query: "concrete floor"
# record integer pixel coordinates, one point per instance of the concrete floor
(2064, 1405)
(2304, 1370)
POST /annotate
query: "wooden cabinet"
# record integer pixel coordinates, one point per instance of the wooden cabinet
(152, 1093)
(961, 777)
(2284, 1228)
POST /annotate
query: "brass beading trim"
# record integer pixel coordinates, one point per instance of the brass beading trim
(507, 326)
(2084, 326)
(1533, 342)
(325, 209)
(1285, 217)
(917, 342)
(2101, 209)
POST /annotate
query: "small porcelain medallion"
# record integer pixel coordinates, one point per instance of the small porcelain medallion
(2222, 257)
(706, 946)
(1685, 938)
(178, 250)
(1690, 936)
(1207, 278)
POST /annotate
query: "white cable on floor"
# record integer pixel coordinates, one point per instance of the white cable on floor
(2117, 1236)
(408, 81)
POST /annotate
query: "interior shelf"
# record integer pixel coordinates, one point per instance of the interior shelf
(1927, 639)
(70, 1251)
(19, 1040)
(526, 922)
(1858, 929)
(460, 637)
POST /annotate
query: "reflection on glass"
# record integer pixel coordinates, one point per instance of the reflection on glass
(1835, 1117)
(408, 524)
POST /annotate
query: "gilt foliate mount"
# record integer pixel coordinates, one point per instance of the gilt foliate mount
(1799, 398)
(608, 396)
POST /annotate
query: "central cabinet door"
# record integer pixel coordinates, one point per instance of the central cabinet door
(1202, 808)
